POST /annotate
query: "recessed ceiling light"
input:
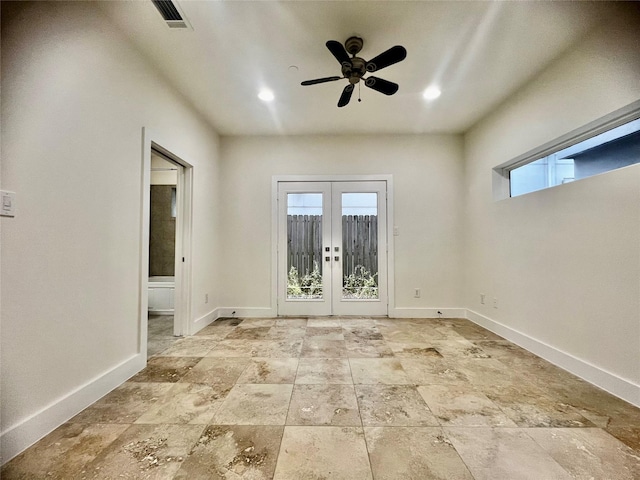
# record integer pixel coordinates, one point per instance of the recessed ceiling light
(266, 95)
(431, 93)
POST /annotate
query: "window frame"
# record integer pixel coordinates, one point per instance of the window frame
(501, 173)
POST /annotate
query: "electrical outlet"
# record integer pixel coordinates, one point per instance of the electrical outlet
(416, 293)
(206, 298)
(495, 302)
(482, 298)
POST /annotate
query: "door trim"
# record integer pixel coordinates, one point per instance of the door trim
(275, 179)
(184, 226)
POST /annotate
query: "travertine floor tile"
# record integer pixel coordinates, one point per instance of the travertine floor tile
(288, 348)
(325, 333)
(419, 350)
(336, 453)
(463, 405)
(233, 349)
(393, 405)
(249, 333)
(258, 322)
(291, 322)
(420, 387)
(319, 348)
(233, 452)
(410, 334)
(193, 403)
(125, 404)
(588, 452)
(270, 370)
(362, 348)
(534, 408)
(413, 453)
(254, 404)
(215, 332)
(286, 333)
(324, 370)
(324, 322)
(378, 371)
(166, 369)
(432, 371)
(369, 332)
(189, 347)
(628, 435)
(212, 370)
(503, 454)
(145, 452)
(323, 405)
(62, 454)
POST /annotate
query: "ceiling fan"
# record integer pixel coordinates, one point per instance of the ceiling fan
(354, 68)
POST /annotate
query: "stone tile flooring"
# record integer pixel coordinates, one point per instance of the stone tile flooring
(331, 398)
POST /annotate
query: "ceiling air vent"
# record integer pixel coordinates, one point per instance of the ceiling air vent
(172, 14)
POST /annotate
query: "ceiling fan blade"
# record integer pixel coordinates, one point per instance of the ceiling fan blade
(346, 95)
(381, 85)
(320, 80)
(389, 57)
(338, 51)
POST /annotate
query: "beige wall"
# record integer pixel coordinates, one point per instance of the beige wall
(564, 263)
(75, 97)
(426, 172)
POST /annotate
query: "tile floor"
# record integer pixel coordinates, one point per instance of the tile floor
(329, 398)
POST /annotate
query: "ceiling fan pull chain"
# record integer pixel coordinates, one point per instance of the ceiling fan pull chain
(359, 92)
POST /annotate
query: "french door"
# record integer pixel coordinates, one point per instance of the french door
(332, 248)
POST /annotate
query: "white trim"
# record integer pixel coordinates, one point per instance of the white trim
(612, 383)
(21, 436)
(500, 177)
(247, 312)
(405, 312)
(184, 233)
(205, 320)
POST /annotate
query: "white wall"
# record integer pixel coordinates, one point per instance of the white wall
(75, 97)
(564, 263)
(426, 176)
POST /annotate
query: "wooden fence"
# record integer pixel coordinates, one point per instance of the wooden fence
(359, 245)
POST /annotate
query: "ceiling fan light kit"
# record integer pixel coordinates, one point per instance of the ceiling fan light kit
(354, 68)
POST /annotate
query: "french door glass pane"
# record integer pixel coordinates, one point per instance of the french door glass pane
(304, 246)
(360, 246)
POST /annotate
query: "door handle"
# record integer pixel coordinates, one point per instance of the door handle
(327, 259)
(336, 258)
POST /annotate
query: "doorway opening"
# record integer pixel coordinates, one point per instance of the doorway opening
(332, 248)
(165, 266)
(163, 214)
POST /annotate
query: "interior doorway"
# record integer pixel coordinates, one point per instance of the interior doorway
(332, 248)
(163, 324)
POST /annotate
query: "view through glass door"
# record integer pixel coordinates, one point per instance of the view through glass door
(332, 254)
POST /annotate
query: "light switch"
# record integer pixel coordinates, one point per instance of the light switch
(7, 203)
(396, 231)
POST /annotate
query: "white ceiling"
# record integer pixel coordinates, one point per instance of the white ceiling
(479, 53)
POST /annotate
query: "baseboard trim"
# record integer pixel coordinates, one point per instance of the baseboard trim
(618, 386)
(205, 320)
(404, 312)
(19, 437)
(247, 312)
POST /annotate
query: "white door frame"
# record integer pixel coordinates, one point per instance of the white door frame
(331, 178)
(184, 224)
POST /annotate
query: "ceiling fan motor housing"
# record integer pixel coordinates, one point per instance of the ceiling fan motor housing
(355, 70)
(353, 45)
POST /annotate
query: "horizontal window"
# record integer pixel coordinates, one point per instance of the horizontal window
(614, 148)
